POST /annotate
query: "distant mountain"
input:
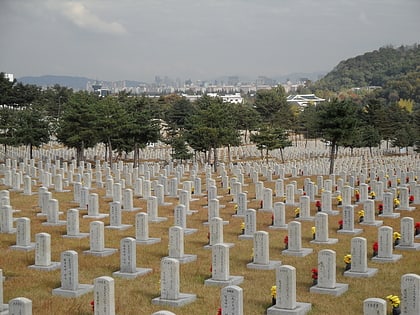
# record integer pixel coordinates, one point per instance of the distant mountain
(375, 68)
(76, 83)
(298, 76)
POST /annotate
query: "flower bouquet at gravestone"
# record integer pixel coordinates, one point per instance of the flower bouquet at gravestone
(242, 228)
(297, 212)
(340, 224)
(347, 261)
(372, 195)
(395, 302)
(286, 242)
(273, 293)
(339, 200)
(318, 205)
(252, 254)
(219, 311)
(314, 272)
(208, 238)
(397, 238)
(417, 228)
(396, 203)
(236, 209)
(92, 305)
(375, 248)
(313, 230)
(357, 195)
(410, 199)
(380, 208)
(361, 215)
(272, 219)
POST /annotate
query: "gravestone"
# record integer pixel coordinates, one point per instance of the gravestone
(185, 201)
(53, 214)
(388, 207)
(152, 210)
(385, 246)
(84, 198)
(374, 306)
(104, 295)
(407, 235)
(160, 195)
(176, 246)
(326, 203)
(73, 225)
(43, 253)
(4, 308)
(290, 195)
(142, 230)
(359, 267)
(286, 294)
(369, 218)
(127, 202)
(295, 241)
(97, 241)
(304, 205)
(220, 270)
(327, 275)
(169, 285)
(404, 200)
(216, 233)
(279, 188)
(348, 222)
(128, 265)
(321, 230)
(115, 217)
(347, 193)
(20, 306)
(93, 208)
(242, 205)
(180, 219)
(23, 235)
(27, 186)
(267, 200)
(410, 294)
(250, 225)
(163, 313)
(261, 253)
(279, 216)
(232, 300)
(70, 286)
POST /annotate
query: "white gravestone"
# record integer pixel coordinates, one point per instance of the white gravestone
(152, 210)
(388, 207)
(232, 300)
(304, 205)
(267, 201)
(250, 225)
(407, 235)
(142, 230)
(97, 241)
(359, 267)
(180, 219)
(295, 241)
(242, 205)
(410, 294)
(23, 235)
(128, 265)
(216, 233)
(404, 200)
(104, 296)
(326, 203)
(286, 294)
(327, 273)
(321, 230)
(385, 246)
(374, 306)
(369, 218)
(115, 217)
(213, 211)
(93, 208)
(73, 225)
(70, 286)
(290, 195)
(169, 285)
(261, 253)
(6, 220)
(53, 214)
(348, 222)
(220, 270)
(4, 308)
(176, 245)
(160, 195)
(128, 200)
(279, 216)
(43, 253)
(20, 306)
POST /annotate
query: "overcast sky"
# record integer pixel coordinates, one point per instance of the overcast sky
(196, 39)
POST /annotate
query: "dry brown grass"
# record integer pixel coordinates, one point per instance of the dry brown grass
(134, 296)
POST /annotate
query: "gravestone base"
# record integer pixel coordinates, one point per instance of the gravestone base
(41, 214)
(294, 204)
(233, 280)
(393, 258)
(223, 222)
(58, 223)
(350, 232)
(332, 212)
(339, 289)
(417, 236)
(103, 253)
(370, 272)
(164, 204)
(77, 236)
(373, 223)
(272, 264)
(246, 237)
(63, 190)
(4, 309)
(149, 241)
(185, 259)
(238, 215)
(298, 253)
(188, 231)
(99, 216)
(53, 266)
(26, 248)
(392, 215)
(81, 290)
(158, 219)
(230, 245)
(265, 210)
(11, 231)
(131, 209)
(416, 246)
(300, 309)
(406, 208)
(309, 218)
(132, 275)
(120, 227)
(191, 212)
(183, 299)
(278, 227)
(329, 241)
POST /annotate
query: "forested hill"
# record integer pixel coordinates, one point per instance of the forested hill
(374, 68)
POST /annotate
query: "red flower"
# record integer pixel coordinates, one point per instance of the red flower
(314, 273)
(92, 303)
(286, 240)
(219, 311)
(417, 225)
(375, 247)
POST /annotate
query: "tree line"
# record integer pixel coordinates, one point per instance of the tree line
(125, 123)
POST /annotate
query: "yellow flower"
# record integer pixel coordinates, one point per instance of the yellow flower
(394, 299)
(274, 291)
(397, 236)
(297, 210)
(313, 229)
(361, 213)
(347, 259)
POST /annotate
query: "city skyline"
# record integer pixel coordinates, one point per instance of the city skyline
(190, 39)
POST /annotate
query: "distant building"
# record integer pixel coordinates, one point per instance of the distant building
(227, 98)
(9, 76)
(303, 100)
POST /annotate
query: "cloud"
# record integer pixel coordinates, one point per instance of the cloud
(81, 16)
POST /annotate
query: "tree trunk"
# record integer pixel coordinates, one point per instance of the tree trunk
(228, 153)
(110, 152)
(30, 151)
(332, 157)
(136, 155)
(215, 159)
(281, 155)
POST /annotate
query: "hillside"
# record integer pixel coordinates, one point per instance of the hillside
(374, 68)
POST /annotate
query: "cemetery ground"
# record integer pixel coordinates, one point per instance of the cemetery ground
(134, 296)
